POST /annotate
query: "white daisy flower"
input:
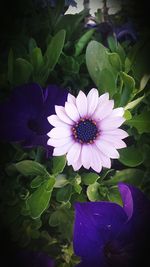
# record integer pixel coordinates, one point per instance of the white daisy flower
(86, 130)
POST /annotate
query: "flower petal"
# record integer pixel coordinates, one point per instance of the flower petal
(60, 111)
(85, 156)
(62, 150)
(55, 121)
(81, 102)
(111, 123)
(59, 142)
(117, 132)
(77, 165)
(96, 164)
(95, 224)
(103, 98)
(60, 132)
(114, 140)
(72, 111)
(107, 149)
(117, 112)
(74, 153)
(92, 100)
(103, 110)
(71, 99)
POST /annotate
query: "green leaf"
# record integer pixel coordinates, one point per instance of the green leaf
(54, 50)
(39, 200)
(127, 115)
(129, 86)
(115, 61)
(82, 42)
(59, 164)
(144, 82)
(100, 68)
(141, 122)
(37, 59)
(89, 178)
(70, 23)
(29, 167)
(93, 192)
(52, 55)
(64, 193)
(22, 71)
(131, 156)
(32, 45)
(112, 43)
(134, 103)
(61, 181)
(114, 195)
(131, 176)
(10, 72)
(37, 181)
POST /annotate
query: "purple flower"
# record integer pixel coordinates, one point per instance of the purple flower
(126, 32)
(33, 259)
(24, 115)
(107, 234)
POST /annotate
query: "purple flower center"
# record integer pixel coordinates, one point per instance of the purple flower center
(85, 131)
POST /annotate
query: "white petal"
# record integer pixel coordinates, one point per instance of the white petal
(111, 123)
(72, 111)
(59, 142)
(77, 165)
(96, 164)
(71, 99)
(74, 153)
(103, 98)
(92, 100)
(62, 150)
(117, 112)
(107, 149)
(114, 140)
(60, 111)
(117, 132)
(60, 132)
(103, 110)
(81, 103)
(85, 156)
(55, 121)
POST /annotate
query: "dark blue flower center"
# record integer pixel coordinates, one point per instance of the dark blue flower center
(85, 131)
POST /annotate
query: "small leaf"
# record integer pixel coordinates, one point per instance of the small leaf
(37, 59)
(115, 61)
(59, 164)
(82, 42)
(127, 115)
(141, 122)
(89, 178)
(134, 103)
(61, 181)
(131, 156)
(32, 45)
(64, 193)
(36, 182)
(29, 167)
(112, 43)
(93, 192)
(38, 201)
(131, 176)
(22, 71)
(129, 86)
(144, 81)
(100, 68)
